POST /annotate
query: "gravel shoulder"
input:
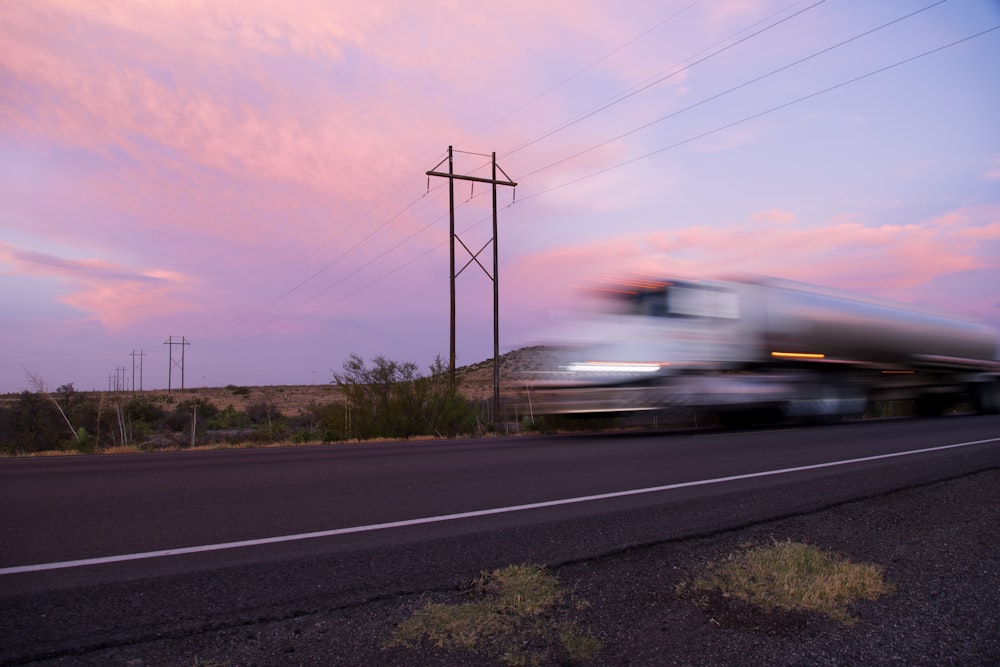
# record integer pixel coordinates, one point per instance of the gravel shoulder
(939, 545)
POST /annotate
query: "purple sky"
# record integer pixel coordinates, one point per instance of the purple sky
(251, 175)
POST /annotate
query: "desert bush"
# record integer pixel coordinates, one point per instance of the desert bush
(262, 411)
(33, 424)
(228, 418)
(198, 411)
(144, 415)
(392, 400)
(327, 421)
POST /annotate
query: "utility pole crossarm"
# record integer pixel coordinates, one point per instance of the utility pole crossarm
(477, 179)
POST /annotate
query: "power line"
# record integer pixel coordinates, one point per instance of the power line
(579, 72)
(385, 224)
(734, 89)
(647, 86)
(343, 278)
(325, 267)
(394, 270)
(760, 113)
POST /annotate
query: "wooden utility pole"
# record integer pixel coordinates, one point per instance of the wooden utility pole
(135, 354)
(474, 257)
(170, 368)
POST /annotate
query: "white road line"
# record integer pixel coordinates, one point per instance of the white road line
(463, 515)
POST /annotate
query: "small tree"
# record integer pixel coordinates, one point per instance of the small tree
(376, 396)
(391, 399)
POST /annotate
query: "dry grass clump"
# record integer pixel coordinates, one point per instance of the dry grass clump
(511, 619)
(793, 576)
(46, 452)
(121, 449)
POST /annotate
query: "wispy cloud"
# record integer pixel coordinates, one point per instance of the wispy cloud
(113, 294)
(846, 254)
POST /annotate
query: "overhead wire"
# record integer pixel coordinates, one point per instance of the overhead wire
(398, 267)
(410, 261)
(316, 273)
(733, 89)
(660, 79)
(586, 68)
(759, 114)
(257, 311)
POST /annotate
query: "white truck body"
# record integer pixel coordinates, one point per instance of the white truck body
(762, 343)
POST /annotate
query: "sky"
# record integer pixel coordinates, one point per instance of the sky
(249, 176)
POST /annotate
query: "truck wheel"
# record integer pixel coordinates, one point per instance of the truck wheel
(750, 417)
(932, 405)
(986, 397)
(827, 403)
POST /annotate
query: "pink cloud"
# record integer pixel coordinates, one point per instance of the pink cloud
(115, 295)
(887, 259)
(116, 97)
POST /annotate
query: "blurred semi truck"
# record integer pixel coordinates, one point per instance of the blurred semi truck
(762, 346)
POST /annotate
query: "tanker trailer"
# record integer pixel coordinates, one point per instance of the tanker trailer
(762, 345)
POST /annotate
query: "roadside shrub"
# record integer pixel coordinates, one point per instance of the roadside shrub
(262, 411)
(228, 418)
(144, 413)
(197, 411)
(33, 424)
(328, 421)
(392, 400)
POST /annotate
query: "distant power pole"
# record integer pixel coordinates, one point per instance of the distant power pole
(135, 354)
(474, 257)
(183, 342)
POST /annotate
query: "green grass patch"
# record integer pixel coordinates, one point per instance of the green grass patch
(793, 576)
(514, 616)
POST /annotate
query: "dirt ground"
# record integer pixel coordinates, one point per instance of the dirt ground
(475, 381)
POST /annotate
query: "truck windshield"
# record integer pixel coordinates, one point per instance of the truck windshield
(682, 300)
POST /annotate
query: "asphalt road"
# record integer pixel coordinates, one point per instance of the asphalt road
(180, 542)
